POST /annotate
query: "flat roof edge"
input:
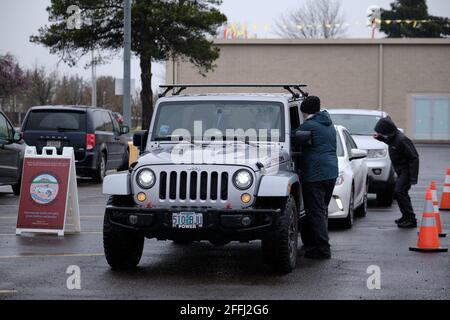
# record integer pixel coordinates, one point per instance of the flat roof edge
(390, 41)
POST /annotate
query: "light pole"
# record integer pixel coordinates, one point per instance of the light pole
(127, 64)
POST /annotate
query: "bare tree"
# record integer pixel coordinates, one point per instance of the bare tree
(314, 19)
(41, 86)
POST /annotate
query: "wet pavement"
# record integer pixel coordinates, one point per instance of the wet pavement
(34, 266)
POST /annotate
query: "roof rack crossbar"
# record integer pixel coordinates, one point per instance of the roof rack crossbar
(182, 87)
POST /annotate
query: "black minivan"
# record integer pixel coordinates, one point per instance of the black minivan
(98, 140)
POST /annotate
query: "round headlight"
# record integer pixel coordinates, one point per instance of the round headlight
(146, 178)
(243, 179)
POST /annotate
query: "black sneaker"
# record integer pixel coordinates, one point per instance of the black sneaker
(316, 254)
(402, 219)
(408, 224)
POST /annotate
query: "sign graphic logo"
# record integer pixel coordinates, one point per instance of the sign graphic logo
(44, 189)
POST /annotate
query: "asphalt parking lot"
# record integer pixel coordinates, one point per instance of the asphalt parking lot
(34, 266)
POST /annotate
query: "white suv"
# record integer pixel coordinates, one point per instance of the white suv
(360, 123)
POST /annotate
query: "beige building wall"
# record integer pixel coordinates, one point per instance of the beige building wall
(373, 74)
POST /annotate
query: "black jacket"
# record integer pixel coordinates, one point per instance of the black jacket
(402, 151)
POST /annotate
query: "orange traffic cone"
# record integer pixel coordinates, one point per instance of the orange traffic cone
(445, 200)
(436, 209)
(428, 235)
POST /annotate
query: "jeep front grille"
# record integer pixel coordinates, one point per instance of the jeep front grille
(193, 185)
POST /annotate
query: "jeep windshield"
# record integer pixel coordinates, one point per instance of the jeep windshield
(219, 121)
(359, 125)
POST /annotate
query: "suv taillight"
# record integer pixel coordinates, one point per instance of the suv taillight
(90, 141)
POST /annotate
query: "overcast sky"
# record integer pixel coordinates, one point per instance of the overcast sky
(21, 18)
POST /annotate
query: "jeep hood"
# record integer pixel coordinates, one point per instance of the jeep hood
(220, 154)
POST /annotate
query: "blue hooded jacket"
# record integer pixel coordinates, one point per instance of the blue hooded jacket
(318, 161)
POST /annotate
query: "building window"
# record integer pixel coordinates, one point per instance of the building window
(431, 117)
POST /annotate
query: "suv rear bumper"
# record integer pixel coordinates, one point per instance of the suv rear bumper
(223, 224)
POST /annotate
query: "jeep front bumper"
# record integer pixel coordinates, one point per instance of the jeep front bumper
(217, 223)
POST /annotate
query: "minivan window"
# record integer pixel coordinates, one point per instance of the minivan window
(99, 123)
(56, 120)
(108, 122)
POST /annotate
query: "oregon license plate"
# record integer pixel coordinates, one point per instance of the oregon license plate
(54, 143)
(187, 220)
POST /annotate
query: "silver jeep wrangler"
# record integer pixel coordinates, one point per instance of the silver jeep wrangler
(215, 167)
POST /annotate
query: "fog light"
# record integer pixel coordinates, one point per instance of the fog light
(246, 221)
(339, 204)
(141, 197)
(245, 198)
(377, 171)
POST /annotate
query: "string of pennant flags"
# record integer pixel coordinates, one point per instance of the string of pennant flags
(237, 30)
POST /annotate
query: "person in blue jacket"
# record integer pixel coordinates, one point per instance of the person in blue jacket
(318, 171)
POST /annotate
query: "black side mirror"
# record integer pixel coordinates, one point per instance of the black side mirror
(124, 130)
(140, 139)
(302, 138)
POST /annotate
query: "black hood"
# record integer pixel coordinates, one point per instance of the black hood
(386, 127)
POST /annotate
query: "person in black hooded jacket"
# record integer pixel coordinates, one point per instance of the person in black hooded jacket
(405, 160)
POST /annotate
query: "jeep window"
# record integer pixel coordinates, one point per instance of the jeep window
(56, 120)
(356, 124)
(295, 117)
(220, 115)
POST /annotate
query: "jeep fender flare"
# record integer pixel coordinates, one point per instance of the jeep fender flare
(117, 184)
(279, 185)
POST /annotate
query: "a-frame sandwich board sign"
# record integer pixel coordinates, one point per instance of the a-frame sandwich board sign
(49, 193)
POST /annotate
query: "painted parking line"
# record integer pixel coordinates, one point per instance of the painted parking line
(8, 291)
(53, 255)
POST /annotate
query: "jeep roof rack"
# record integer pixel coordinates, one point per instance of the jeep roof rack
(289, 87)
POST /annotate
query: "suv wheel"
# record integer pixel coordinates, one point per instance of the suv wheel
(100, 173)
(123, 249)
(280, 246)
(385, 197)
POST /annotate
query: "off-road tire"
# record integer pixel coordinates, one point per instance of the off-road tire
(123, 248)
(279, 247)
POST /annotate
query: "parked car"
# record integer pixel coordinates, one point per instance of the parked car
(238, 190)
(119, 117)
(12, 150)
(98, 140)
(350, 193)
(360, 124)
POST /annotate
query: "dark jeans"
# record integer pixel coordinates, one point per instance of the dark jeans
(401, 189)
(314, 226)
